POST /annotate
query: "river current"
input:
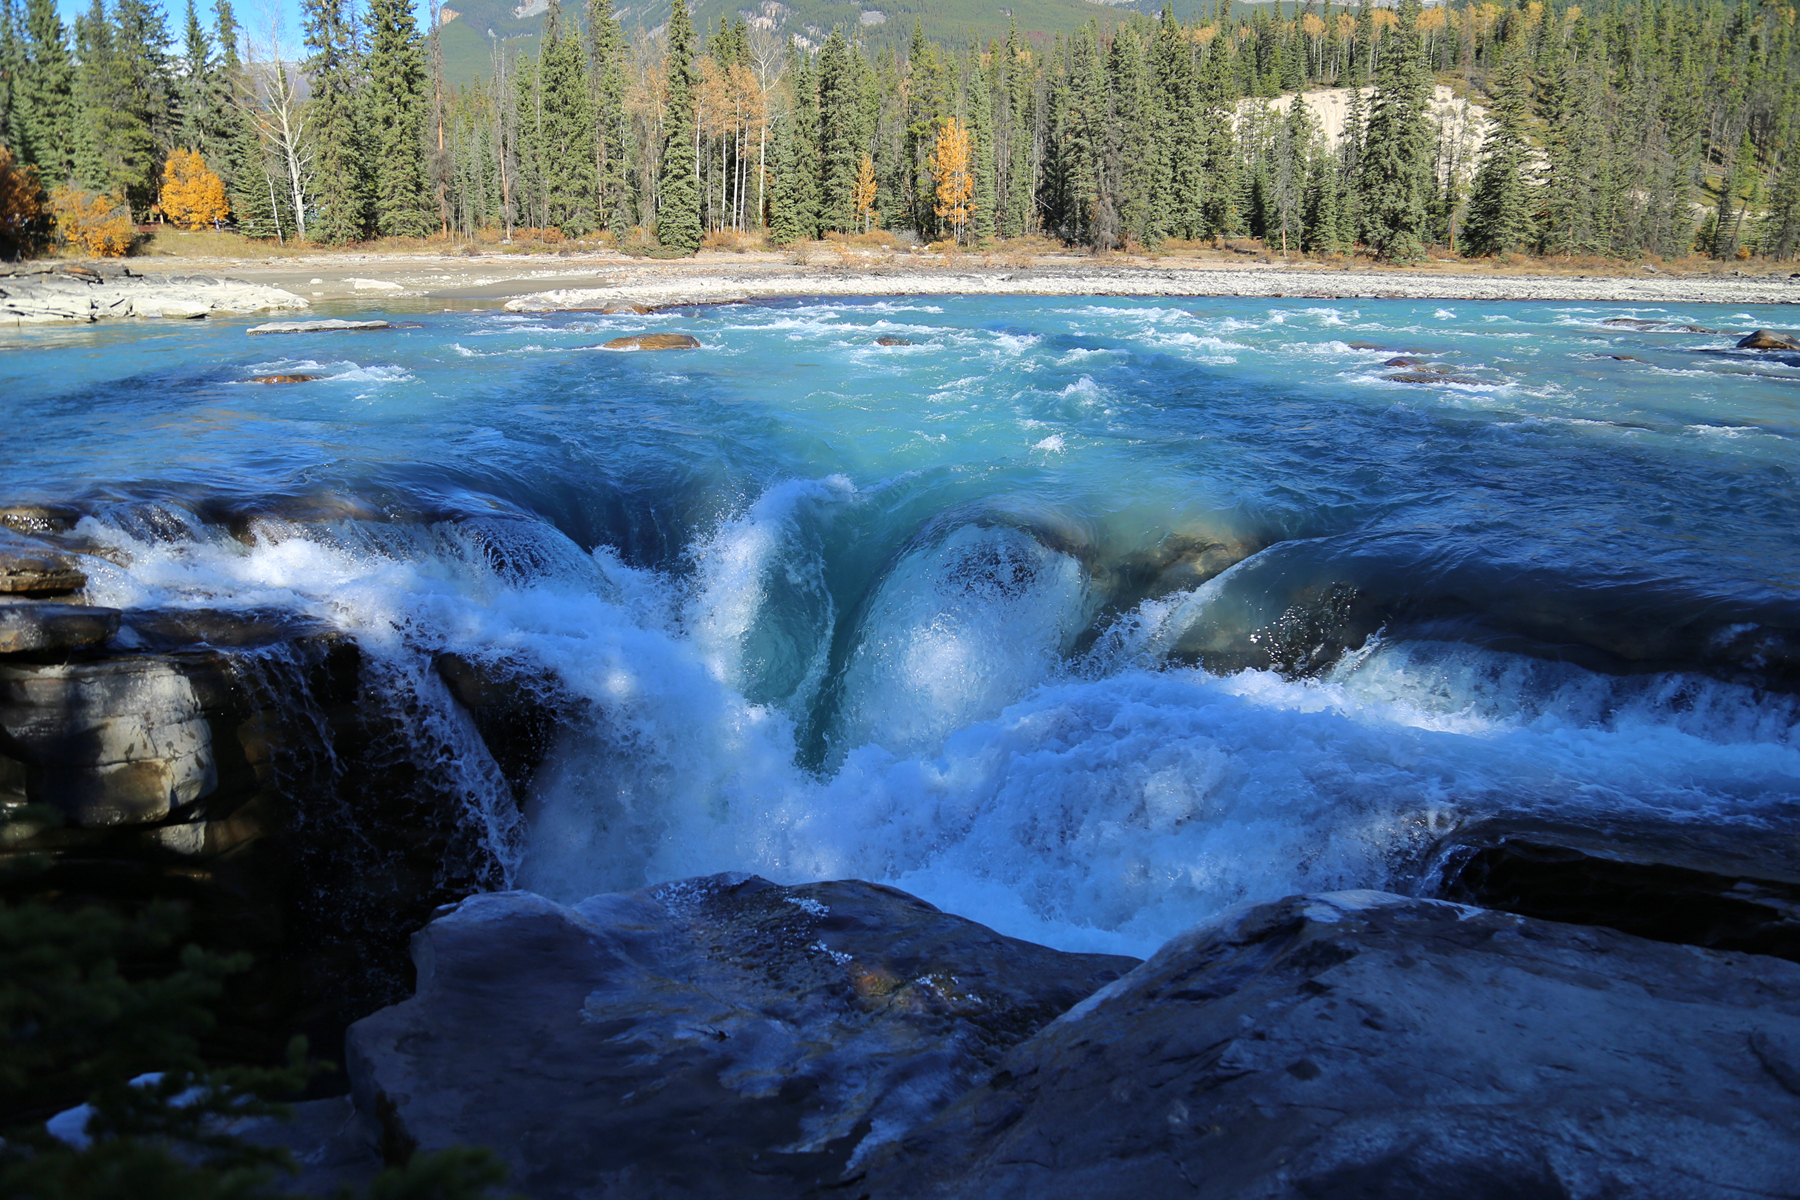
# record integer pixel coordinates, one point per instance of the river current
(1085, 618)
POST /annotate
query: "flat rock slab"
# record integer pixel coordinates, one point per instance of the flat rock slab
(30, 568)
(37, 628)
(654, 341)
(103, 290)
(717, 1037)
(333, 325)
(1366, 1045)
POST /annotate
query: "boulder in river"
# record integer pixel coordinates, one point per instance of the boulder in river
(620, 308)
(333, 325)
(1429, 376)
(1767, 339)
(1365, 1045)
(282, 379)
(654, 341)
(723, 1036)
(890, 340)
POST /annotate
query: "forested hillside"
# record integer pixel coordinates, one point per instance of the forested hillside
(1637, 127)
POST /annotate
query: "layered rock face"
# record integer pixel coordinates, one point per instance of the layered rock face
(48, 292)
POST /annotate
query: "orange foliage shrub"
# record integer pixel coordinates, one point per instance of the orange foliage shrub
(21, 206)
(99, 224)
(192, 196)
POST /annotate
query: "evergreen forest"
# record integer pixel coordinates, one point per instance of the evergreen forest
(1624, 129)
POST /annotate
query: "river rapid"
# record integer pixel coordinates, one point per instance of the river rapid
(1085, 618)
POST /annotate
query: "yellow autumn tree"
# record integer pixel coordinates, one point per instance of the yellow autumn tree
(21, 206)
(863, 194)
(955, 182)
(95, 222)
(192, 196)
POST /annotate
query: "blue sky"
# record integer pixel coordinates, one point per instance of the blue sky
(250, 13)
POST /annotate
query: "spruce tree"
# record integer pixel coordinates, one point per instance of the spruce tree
(606, 66)
(569, 155)
(44, 95)
(1394, 179)
(340, 166)
(1500, 203)
(678, 185)
(1021, 110)
(838, 143)
(395, 111)
(981, 129)
(12, 58)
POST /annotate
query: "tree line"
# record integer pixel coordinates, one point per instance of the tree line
(1635, 127)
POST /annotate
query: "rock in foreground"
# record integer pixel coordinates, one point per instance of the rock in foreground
(654, 341)
(1365, 1045)
(718, 1037)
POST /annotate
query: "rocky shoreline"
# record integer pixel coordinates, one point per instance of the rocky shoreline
(40, 293)
(667, 288)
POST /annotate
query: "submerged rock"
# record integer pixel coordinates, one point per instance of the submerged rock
(37, 628)
(718, 1037)
(1767, 339)
(282, 379)
(334, 325)
(654, 341)
(1366, 1045)
(890, 340)
(1429, 377)
(39, 518)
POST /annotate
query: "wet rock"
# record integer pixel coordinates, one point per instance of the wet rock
(1366, 1045)
(1404, 361)
(1439, 377)
(1767, 339)
(716, 1037)
(890, 340)
(39, 628)
(620, 308)
(1698, 886)
(518, 710)
(1618, 357)
(38, 518)
(282, 379)
(30, 568)
(119, 741)
(654, 341)
(334, 325)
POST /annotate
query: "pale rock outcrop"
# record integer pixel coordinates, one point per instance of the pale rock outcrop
(50, 292)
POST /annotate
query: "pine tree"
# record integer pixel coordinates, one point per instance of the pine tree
(837, 136)
(1394, 171)
(12, 59)
(606, 64)
(1500, 203)
(395, 107)
(568, 131)
(678, 185)
(44, 97)
(340, 163)
(981, 130)
(1021, 108)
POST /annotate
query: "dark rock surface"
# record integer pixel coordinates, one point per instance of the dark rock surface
(1700, 886)
(891, 340)
(1767, 339)
(1366, 1045)
(717, 1037)
(49, 627)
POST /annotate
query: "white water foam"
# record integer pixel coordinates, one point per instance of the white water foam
(1104, 805)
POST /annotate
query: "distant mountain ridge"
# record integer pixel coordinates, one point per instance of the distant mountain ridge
(472, 27)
